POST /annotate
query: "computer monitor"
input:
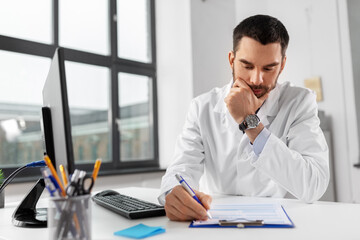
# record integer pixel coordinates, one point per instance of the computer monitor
(56, 115)
(56, 127)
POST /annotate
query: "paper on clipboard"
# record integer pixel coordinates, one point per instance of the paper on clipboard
(271, 214)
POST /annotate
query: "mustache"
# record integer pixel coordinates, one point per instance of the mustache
(258, 87)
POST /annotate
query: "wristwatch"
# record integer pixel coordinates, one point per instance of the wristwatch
(251, 121)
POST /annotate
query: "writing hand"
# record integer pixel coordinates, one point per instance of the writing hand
(180, 206)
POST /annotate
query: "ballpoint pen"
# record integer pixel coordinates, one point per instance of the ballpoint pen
(50, 186)
(63, 175)
(190, 191)
(53, 172)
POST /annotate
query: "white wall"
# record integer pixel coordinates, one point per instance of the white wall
(212, 23)
(174, 71)
(193, 41)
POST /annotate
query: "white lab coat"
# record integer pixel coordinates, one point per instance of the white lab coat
(294, 158)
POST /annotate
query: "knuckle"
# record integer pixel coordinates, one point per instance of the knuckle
(170, 216)
(175, 189)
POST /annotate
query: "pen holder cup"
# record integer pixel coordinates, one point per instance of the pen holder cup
(70, 217)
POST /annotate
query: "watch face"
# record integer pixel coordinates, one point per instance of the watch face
(252, 121)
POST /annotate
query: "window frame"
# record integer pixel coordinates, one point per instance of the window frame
(115, 65)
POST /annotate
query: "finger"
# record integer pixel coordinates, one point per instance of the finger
(204, 199)
(243, 84)
(190, 208)
(174, 214)
(172, 210)
(196, 209)
(173, 217)
(236, 83)
(263, 98)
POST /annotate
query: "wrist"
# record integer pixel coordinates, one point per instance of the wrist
(242, 118)
(254, 132)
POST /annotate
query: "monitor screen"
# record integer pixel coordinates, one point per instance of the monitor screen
(56, 115)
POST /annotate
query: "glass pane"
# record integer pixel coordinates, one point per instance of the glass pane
(22, 80)
(136, 117)
(30, 20)
(88, 95)
(84, 25)
(133, 23)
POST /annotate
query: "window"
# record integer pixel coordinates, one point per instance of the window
(135, 120)
(84, 25)
(111, 80)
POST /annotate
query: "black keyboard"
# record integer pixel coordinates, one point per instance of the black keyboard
(127, 206)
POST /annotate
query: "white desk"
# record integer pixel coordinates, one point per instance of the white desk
(321, 220)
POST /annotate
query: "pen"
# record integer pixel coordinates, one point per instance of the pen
(189, 190)
(96, 169)
(63, 175)
(52, 179)
(53, 172)
(48, 183)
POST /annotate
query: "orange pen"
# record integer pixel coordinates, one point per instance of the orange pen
(96, 169)
(63, 175)
(53, 172)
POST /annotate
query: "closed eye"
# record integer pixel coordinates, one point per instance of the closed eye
(267, 69)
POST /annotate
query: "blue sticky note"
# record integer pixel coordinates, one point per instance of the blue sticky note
(140, 231)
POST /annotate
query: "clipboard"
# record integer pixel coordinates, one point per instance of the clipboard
(246, 223)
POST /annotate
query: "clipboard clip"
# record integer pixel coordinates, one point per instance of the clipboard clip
(241, 223)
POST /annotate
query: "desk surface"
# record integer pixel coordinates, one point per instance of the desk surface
(321, 220)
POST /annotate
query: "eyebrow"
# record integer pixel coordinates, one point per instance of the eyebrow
(267, 65)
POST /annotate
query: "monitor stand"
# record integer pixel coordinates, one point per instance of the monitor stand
(26, 214)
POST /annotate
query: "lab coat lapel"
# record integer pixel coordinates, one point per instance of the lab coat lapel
(221, 108)
(270, 107)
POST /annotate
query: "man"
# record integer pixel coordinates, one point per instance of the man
(254, 136)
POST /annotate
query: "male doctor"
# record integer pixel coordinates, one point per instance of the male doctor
(254, 136)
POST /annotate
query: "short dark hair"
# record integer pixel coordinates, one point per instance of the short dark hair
(262, 28)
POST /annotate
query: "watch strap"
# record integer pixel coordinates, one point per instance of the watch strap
(243, 126)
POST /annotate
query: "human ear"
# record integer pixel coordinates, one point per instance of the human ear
(283, 64)
(231, 59)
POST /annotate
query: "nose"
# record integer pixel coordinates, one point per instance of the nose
(256, 77)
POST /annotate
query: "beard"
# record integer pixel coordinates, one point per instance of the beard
(259, 90)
